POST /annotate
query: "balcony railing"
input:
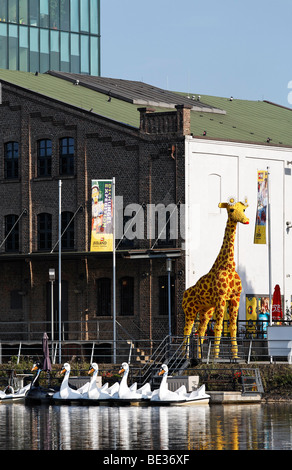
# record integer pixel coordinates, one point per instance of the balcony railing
(93, 340)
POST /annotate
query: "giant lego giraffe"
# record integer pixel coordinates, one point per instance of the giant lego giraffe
(209, 296)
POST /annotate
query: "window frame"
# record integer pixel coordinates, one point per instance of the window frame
(12, 241)
(68, 237)
(45, 232)
(45, 159)
(103, 297)
(13, 167)
(66, 157)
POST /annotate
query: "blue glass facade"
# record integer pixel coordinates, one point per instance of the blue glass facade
(41, 35)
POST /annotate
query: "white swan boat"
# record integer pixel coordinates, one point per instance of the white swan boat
(121, 393)
(8, 394)
(131, 394)
(66, 394)
(164, 396)
(88, 394)
(96, 393)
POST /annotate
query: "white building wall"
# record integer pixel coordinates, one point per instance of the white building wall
(216, 170)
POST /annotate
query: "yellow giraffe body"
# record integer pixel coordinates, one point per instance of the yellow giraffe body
(209, 296)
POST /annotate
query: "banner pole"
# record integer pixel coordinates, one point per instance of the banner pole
(60, 280)
(114, 273)
(269, 249)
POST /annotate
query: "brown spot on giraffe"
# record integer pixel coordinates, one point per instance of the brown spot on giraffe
(208, 297)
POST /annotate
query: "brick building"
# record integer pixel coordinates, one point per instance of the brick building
(181, 153)
(45, 139)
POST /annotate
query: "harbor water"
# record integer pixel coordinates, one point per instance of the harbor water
(202, 427)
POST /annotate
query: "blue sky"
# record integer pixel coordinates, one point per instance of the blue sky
(239, 48)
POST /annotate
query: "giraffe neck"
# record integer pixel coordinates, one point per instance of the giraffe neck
(225, 258)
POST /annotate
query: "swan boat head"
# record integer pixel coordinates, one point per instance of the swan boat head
(36, 366)
(93, 368)
(164, 370)
(124, 368)
(66, 368)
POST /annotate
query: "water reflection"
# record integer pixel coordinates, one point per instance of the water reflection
(238, 427)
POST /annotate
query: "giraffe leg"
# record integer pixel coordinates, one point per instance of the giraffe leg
(233, 313)
(205, 317)
(218, 316)
(188, 308)
(189, 322)
(190, 316)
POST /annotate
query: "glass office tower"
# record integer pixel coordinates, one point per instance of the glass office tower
(41, 35)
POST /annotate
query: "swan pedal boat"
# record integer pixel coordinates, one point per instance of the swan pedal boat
(8, 394)
(166, 397)
(88, 394)
(121, 394)
(131, 395)
(37, 394)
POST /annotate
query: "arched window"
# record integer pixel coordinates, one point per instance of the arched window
(44, 155)
(127, 295)
(67, 226)
(67, 153)
(11, 155)
(11, 228)
(44, 232)
(103, 285)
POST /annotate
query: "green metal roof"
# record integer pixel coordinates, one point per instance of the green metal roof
(244, 120)
(78, 96)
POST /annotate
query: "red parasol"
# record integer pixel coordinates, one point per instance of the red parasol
(277, 313)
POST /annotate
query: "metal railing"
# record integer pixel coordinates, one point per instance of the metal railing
(245, 380)
(170, 351)
(78, 351)
(81, 330)
(93, 340)
(102, 329)
(250, 350)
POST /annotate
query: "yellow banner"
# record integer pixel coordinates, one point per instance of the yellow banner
(262, 202)
(102, 215)
(251, 314)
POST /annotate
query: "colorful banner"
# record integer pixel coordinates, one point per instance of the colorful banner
(262, 206)
(102, 215)
(251, 314)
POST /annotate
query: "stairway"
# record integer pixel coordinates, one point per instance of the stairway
(172, 352)
(251, 381)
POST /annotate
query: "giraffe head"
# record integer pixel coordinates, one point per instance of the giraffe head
(236, 210)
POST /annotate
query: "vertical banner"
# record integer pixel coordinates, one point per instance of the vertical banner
(251, 315)
(102, 215)
(262, 206)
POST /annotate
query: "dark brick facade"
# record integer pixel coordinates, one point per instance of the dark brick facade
(148, 166)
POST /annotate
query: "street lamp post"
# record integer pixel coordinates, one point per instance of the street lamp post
(168, 269)
(60, 271)
(52, 278)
